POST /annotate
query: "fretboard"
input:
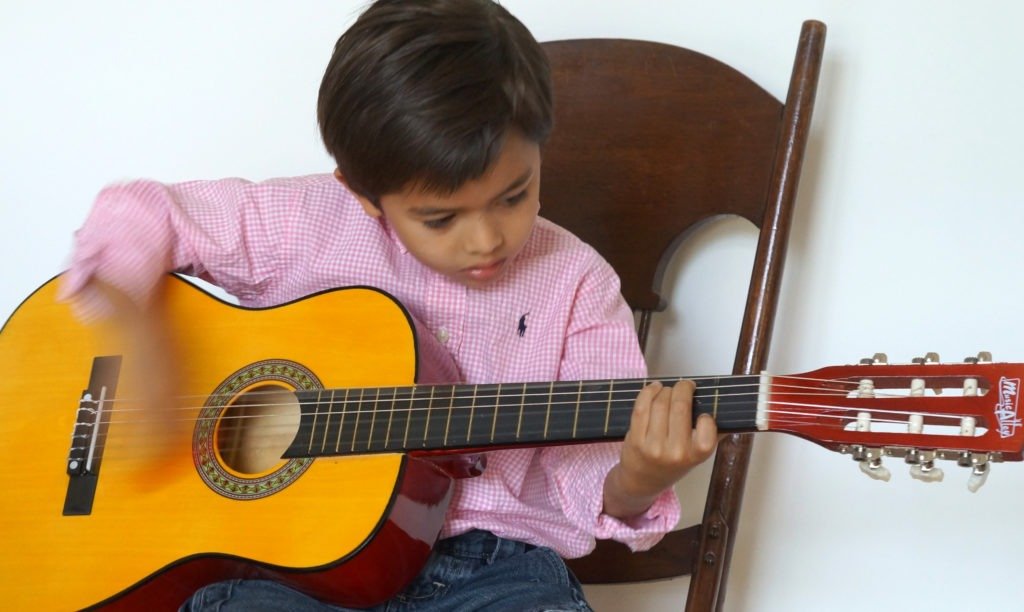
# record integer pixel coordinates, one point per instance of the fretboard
(452, 417)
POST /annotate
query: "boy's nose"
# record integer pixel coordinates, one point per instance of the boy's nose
(484, 237)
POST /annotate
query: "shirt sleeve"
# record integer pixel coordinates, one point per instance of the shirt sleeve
(231, 232)
(601, 343)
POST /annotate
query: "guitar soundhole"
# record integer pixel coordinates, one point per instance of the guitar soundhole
(256, 429)
(246, 425)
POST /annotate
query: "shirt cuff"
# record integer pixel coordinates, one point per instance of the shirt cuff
(124, 243)
(645, 530)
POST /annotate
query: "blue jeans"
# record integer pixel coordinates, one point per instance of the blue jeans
(470, 572)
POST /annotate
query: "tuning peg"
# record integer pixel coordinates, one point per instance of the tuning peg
(968, 426)
(922, 466)
(866, 388)
(877, 359)
(978, 462)
(983, 357)
(930, 358)
(870, 462)
(979, 474)
(917, 387)
(970, 387)
(925, 473)
(874, 469)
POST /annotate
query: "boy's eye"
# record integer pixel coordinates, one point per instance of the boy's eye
(439, 222)
(514, 199)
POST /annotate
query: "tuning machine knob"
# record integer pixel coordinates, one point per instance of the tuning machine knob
(979, 464)
(982, 357)
(922, 466)
(870, 461)
(876, 359)
(918, 384)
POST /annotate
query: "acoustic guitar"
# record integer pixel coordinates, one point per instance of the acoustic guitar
(301, 450)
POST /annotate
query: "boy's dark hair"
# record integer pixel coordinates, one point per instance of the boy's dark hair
(423, 92)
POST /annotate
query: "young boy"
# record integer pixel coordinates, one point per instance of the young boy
(435, 112)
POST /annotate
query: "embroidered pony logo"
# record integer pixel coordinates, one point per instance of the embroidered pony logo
(522, 325)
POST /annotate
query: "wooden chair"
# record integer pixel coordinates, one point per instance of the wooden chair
(649, 141)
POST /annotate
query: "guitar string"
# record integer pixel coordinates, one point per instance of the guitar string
(558, 433)
(541, 390)
(726, 412)
(724, 421)
(780, 419)
(602, 399)
(601, 396)
(573, 398)
(563, 384)
(421, 396)
(578, 393)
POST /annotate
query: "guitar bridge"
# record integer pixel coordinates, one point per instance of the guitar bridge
(91, 424)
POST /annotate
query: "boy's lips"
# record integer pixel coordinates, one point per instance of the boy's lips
(485, 271)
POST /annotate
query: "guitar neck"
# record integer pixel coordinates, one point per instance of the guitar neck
(453, 417)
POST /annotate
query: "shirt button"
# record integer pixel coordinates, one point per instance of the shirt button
(442, 334)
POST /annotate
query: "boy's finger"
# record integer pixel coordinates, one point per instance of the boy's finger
(705, 436)
(658, 422)
(680, 419)
(638, 422)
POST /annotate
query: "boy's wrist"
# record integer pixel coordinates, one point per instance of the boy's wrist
(623, 499)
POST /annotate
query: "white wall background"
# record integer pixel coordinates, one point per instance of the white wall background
(906, 238)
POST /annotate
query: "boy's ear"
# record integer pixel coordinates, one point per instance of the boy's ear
(368, 207)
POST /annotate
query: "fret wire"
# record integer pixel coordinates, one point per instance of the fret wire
(522, 401)
(373, 418)
(448, 419)
(337, 420)
(323, 443)
(312, 431)
(591, 402)
(576, 415)
(387, 404)
(547, 411)
(430, 407)
(484, 398)
(341, 426)
(391, 416)
(563, 416)
(608, 410)
(419, 414)
(497, 406)
(332, 417)
(408, 421)
(472, 410)
(359, 412)
(507, 414)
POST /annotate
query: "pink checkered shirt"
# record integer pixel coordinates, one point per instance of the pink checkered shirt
(271, 242)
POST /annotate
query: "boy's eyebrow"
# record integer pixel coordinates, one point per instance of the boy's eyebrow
(519, 181)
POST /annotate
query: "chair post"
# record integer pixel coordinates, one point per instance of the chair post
(725, 493)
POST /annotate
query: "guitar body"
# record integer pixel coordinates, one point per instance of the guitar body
(299, 449)
(163, 512)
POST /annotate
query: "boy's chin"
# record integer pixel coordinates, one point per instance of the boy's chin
(475, 283)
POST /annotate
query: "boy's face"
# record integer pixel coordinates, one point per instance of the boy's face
(472, 235)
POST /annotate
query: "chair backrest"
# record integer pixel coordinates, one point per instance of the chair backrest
(650, 140)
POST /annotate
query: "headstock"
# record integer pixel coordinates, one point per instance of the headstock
(922, 412)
